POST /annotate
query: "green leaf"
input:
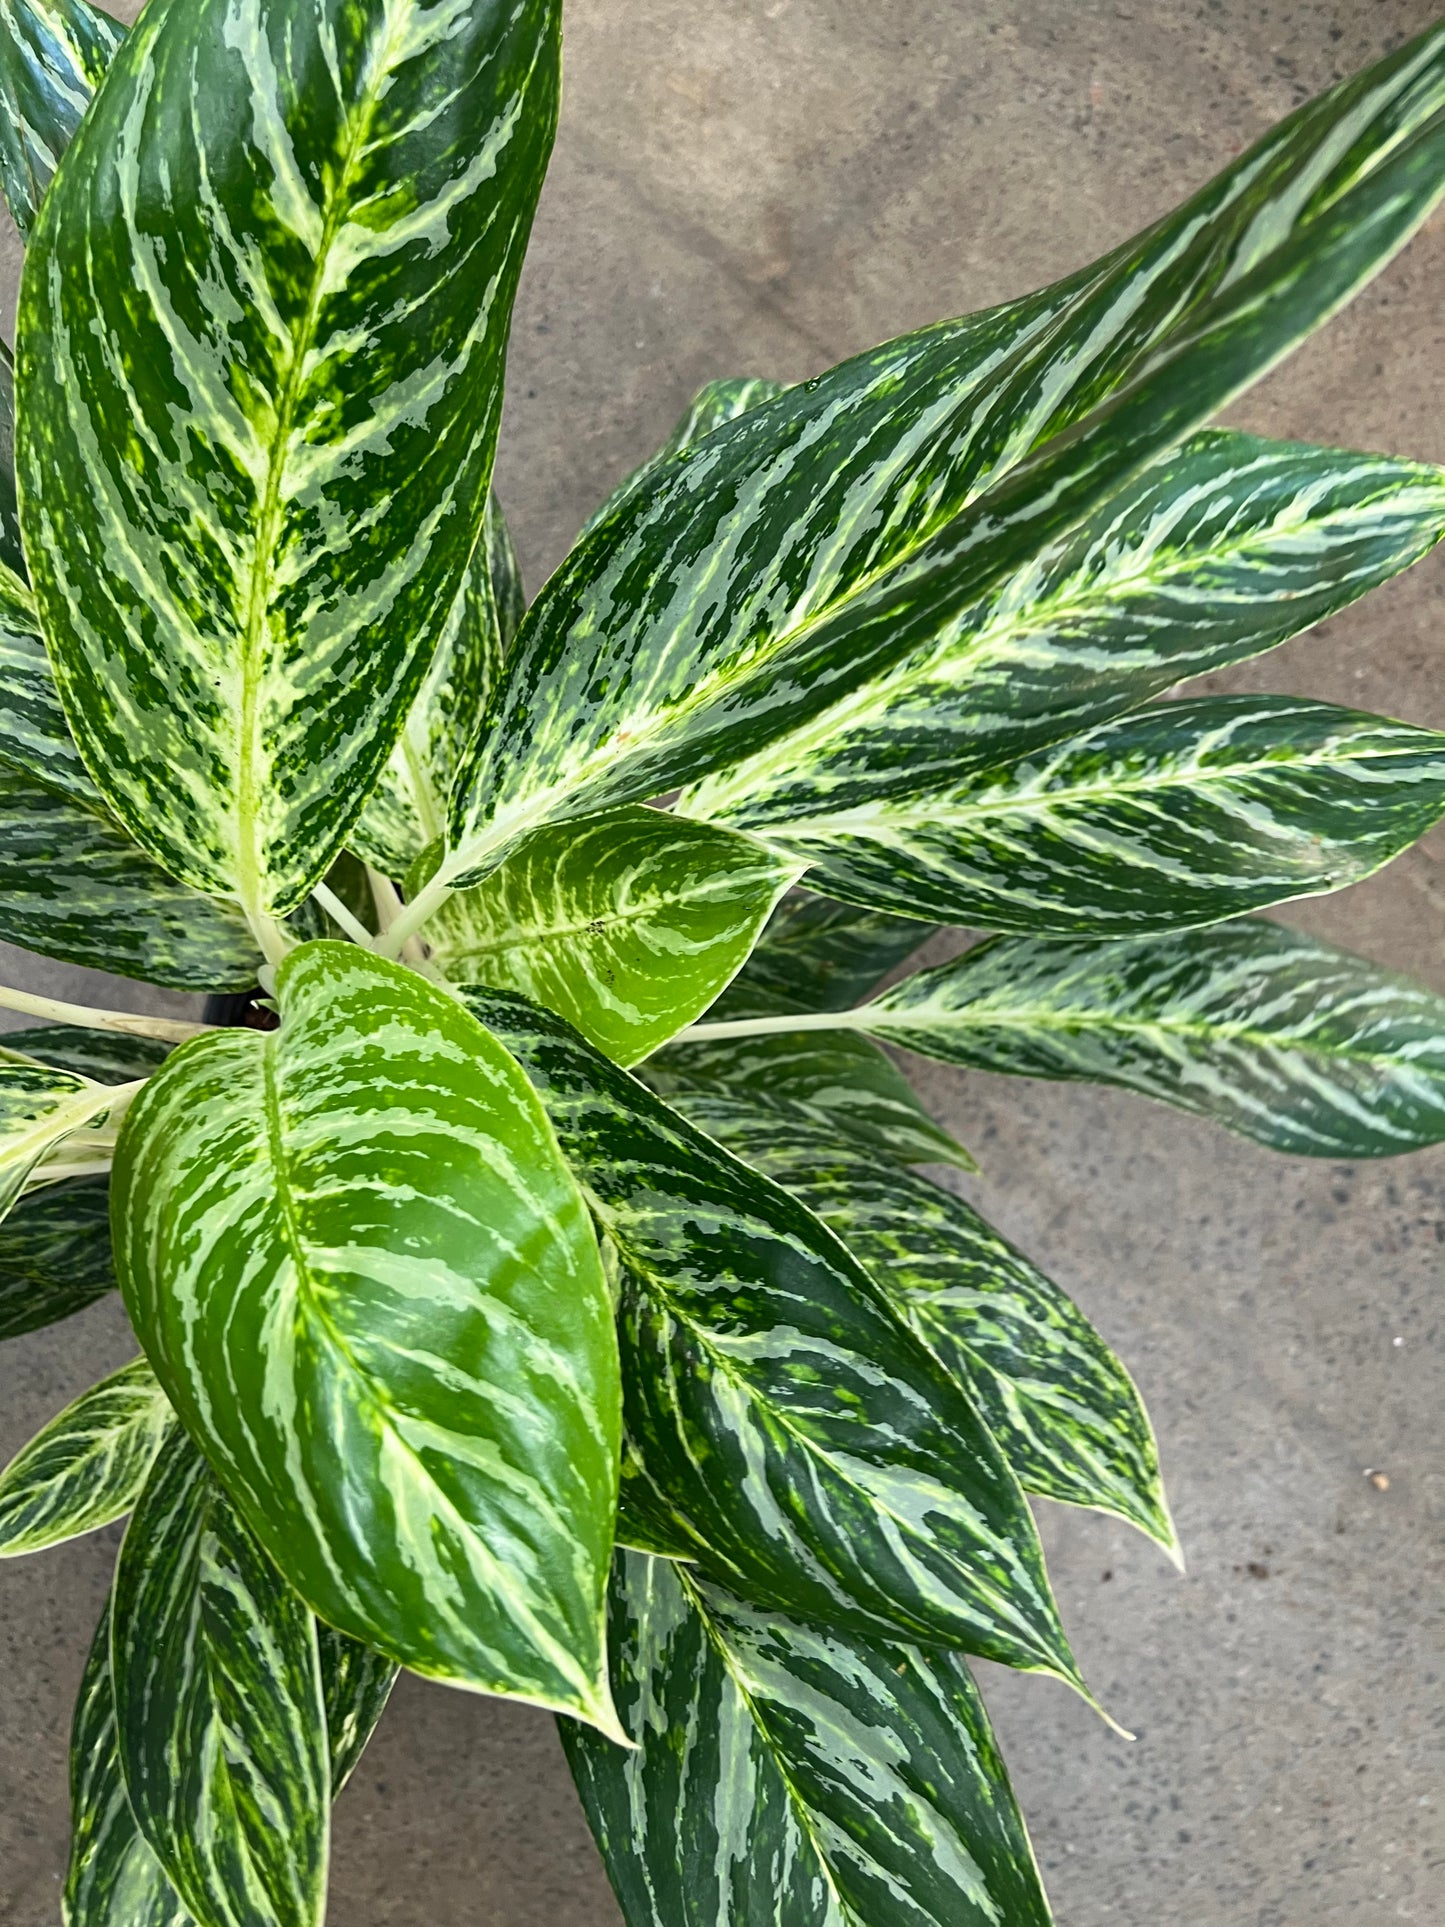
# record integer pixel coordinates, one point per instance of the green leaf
(1223, 549)
(1183, 813)
(787, 1426)
(1298, 1045)
(793, 1775)
(55, 1254)
(282, 247)
(113, 1880)
(356, 1684)
(53, 54)
(406, 812)
(1062, 1407)
(12, 555)
(714, 405)
(105, 1056)
(805, 549)
(219, 1706)
(86, 1466)
(819, 954)
(40, 1109)
(830, 1077)
(72, 883)
(628, 926)
(366, 1279)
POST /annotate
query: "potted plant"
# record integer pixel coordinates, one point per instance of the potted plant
(537, 1288)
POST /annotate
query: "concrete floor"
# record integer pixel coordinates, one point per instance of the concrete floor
(761, 188)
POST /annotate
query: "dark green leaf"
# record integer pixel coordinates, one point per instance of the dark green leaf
(356, 1683)
(52, 56)
(628, 925)
(1221, 550)
(1290, 1041)
(1060, 1404)
(819, 954)
(106, 1056)
(12, 555)
(113, 1880)
(1181, 813)
(87, 1465)
(790, 1775)
(55, 1254)
(802, 551)
(285, 243)
(504, 576)
(832, 1077)
(785, 1422)
(366, 1279)
(219, 1706)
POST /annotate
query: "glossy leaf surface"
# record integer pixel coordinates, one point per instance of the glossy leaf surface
(834, 1077)
(302, 294)
(790, 1774)
(1219, 551)
(105, 1056)
(366, 1279)
(219, 1708)
(1298, 1045)
(628, 926)
(1182, 813)
(85, 1467)
(1062, 1407)
(53, 54)
(72, 883)
(407, 810)
(802, 551)
(55, 1254)
(114, 1880)
(783, 1422)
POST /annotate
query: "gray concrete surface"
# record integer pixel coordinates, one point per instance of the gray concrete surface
(763, 188)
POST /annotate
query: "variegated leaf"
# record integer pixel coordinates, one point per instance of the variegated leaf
(114, 1880)
(283, 246)
(819, 954)
(1060, 1404)
(406, 812)
(714, 405)
(55, 1254)
(53, 54)
(366, 1279)
(12, 555)
(104, 1056)
(1181, 813)
(72, 883)
(802, 551)
(219, 1706)
(783, 1422)
(86, 1467)
(793, 1775)
(40, 1109)
(1298, 1045)
(628, 926)
(356, 1683)
(836, 1077)
(1221, 550)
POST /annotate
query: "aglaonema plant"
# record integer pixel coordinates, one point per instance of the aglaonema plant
(539, 1291)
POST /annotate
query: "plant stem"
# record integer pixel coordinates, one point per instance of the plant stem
(772, 1026)
(170, 1030)
(339, 914)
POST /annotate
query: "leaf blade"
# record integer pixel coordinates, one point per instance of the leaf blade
(86, 1467)
(395, 1266)
(53, 54)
